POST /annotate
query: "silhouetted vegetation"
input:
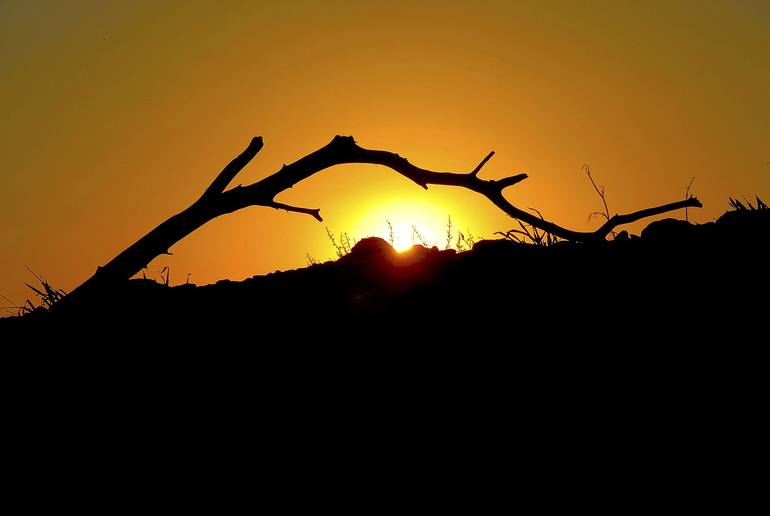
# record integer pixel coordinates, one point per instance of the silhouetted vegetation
(47, 294)
(738, 205)
(345, 243)
(529, 278)
(218, 200)
(539, 272)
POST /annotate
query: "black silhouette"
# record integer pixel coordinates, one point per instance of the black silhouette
(677, 282)
(216, 201)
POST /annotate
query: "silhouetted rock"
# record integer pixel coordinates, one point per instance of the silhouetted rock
(668, 230)
(493, 246)
(368, 250)
(745, 223)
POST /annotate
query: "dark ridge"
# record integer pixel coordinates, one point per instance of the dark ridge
(675, 278)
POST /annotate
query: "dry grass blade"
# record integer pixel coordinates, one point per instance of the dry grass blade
(529, 233)
(168, 274)
(36, 291)
(738, 205)
(448, 233)
(417, 237)
(337, 247)
(510, 235)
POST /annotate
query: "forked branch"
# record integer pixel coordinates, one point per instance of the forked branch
(231, 170)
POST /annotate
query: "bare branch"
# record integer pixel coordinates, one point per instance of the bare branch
(231, 170)
(510, 181)
(343, 149)
(217, 201)
(619, 220)
(537, 211)
(316, 213)
(476, 170)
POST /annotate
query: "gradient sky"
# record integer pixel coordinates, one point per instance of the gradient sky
(116, 114)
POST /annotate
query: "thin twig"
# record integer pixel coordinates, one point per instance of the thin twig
(391, 234)
(686, 195)
(476, 170)
(600, 191)
(231, 170)
(448, 233)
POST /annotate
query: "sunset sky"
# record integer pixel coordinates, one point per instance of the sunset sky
(115, 115)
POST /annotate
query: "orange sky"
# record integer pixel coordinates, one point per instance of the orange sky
(115, 115)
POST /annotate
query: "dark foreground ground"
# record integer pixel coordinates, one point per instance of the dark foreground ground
(641, 356)
(676, 281)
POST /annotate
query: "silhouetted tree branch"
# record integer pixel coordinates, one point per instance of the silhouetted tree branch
(231, 170)
(216, 201)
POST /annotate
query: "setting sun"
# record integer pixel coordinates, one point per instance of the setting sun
(119, 115)
(401, 246)
(407, 222)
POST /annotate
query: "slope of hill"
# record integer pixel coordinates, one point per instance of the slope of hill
(676, 278)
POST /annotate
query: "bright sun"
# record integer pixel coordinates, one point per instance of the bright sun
(404, 223)
(402, 246)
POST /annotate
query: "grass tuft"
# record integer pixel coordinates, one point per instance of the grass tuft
(48, 295)
(529, 234)
(738, 205)
(345, 244)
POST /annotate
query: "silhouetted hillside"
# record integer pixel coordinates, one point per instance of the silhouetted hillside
(674, 279)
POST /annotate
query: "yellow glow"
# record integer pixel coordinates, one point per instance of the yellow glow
(413, 222)
(402, 246)
(114, 119)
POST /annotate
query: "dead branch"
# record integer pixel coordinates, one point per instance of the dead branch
(231, 170)
(216, 201)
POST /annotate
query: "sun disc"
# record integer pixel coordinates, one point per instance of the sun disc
(404, 223)
(401, 247)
